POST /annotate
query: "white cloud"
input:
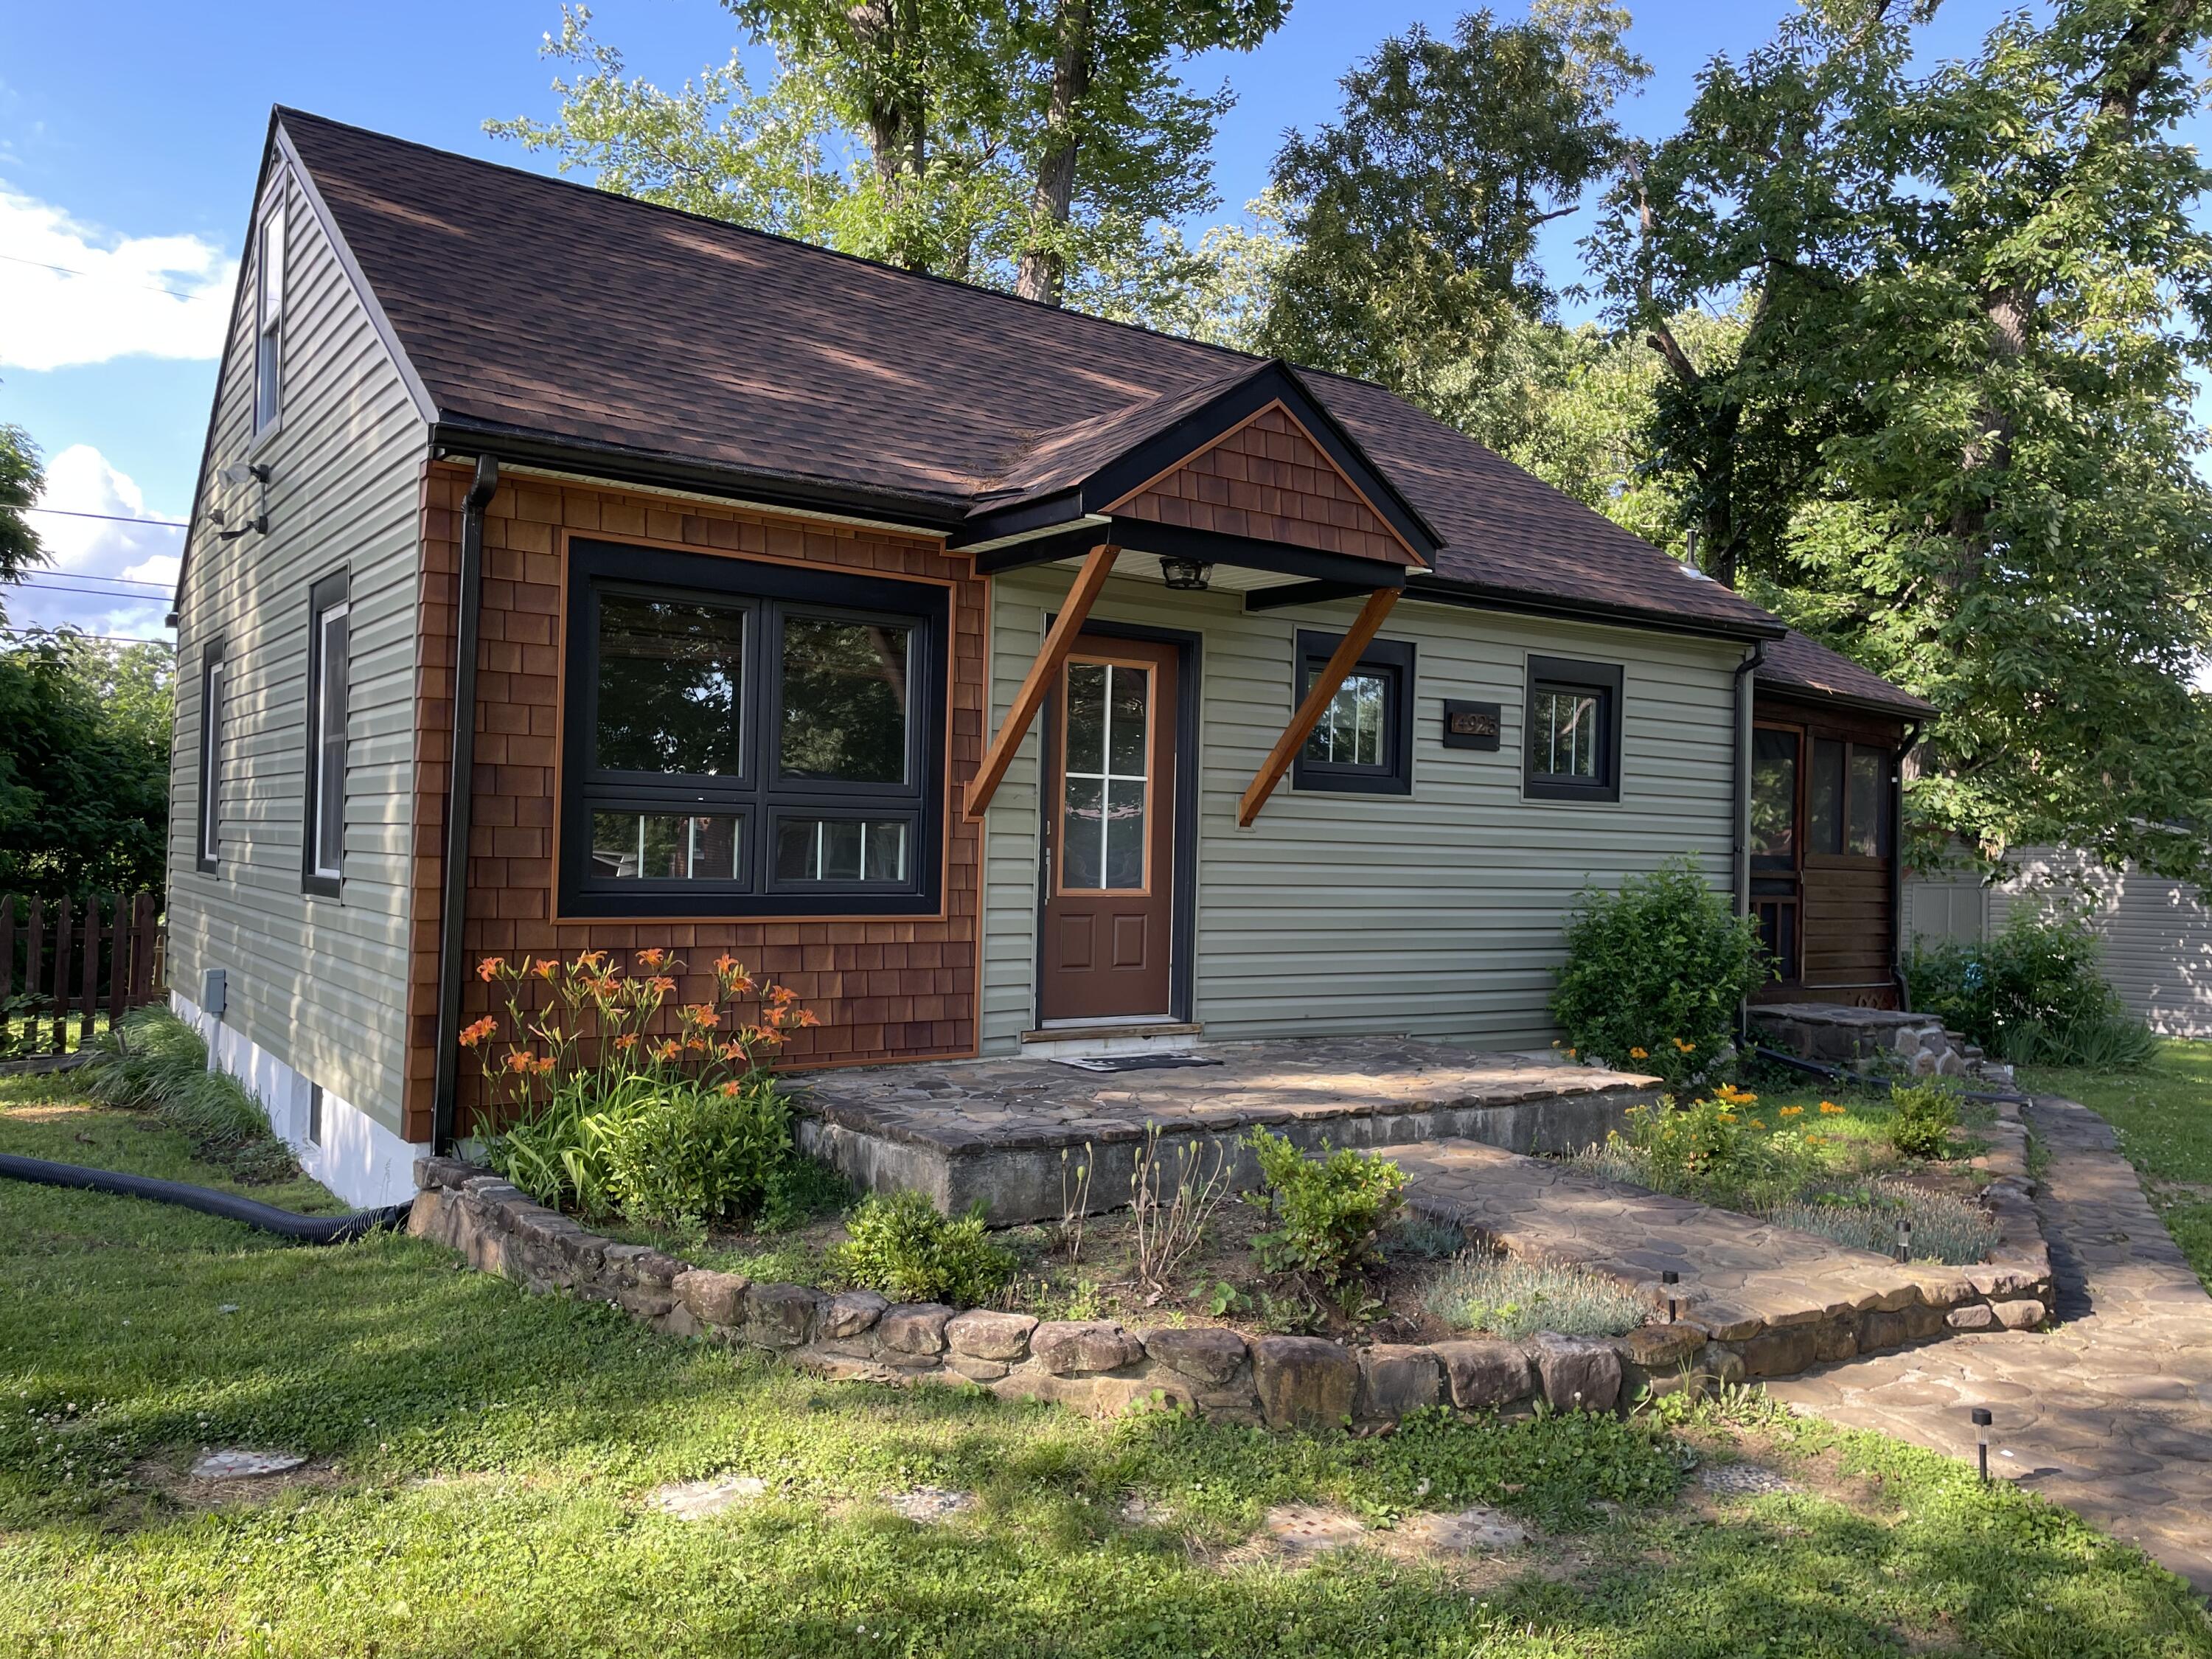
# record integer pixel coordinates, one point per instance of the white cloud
(80, 552)
(71, 293)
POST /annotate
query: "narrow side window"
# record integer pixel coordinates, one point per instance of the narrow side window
(322, 834)
(269, 314)
(212, 676)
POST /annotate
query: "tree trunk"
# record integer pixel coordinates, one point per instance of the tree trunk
(1044, 269)
(897, 115)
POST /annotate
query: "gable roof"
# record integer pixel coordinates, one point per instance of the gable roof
(1803, 668)
(548, 313)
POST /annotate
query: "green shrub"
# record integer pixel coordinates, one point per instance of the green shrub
(155, 1062)
(899, 1246)
(2033, 995)
(1654, 972)
(1506, 1297)
(1921, 1117)
(1329, 1211)
(664, 1150)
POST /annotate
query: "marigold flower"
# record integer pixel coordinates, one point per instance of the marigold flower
(473, 1035)
(489, 969)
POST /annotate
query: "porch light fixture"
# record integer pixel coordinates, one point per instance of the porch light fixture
(1980, 1418)
(1186, 575)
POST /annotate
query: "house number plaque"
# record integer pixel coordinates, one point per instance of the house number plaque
(1471, 724)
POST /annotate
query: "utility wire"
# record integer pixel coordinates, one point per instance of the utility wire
(154, 597)
(73, 633)
(112, 518)
(119, 282)
(44, 578)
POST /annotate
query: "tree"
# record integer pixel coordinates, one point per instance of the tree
(997, 142)
(84, 767)
(1954, 438)
(22, 478)
(1413, 217)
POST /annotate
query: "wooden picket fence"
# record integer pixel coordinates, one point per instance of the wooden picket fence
(62, 965)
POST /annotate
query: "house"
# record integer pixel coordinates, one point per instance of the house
(1828, 746)
(1000, 679)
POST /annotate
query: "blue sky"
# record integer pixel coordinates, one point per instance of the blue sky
(128, 135)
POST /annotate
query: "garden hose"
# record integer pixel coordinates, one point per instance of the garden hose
(305, 1229)
(1837, 1074)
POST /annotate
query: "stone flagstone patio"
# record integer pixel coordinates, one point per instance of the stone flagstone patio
(993, 1131)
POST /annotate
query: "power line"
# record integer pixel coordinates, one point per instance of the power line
(154, 597)
(119, 282)
(112, 518)
(44, 578)
(74, 633)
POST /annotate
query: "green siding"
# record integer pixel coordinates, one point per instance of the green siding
(320, 983)
(1438, 913)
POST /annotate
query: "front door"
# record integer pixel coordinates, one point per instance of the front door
(1110, 834)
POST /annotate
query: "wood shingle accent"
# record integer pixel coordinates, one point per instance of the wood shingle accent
(885, 990)
(1267, 479)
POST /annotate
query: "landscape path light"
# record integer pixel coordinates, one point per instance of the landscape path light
(1980, 1417)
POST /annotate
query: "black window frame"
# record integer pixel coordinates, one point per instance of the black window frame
(331, 591)
(1393, 661)
(756, 795)
(207, 823)
(1576, 675)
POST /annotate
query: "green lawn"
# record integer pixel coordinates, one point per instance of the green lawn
(484, 1461)
(2163, 1113)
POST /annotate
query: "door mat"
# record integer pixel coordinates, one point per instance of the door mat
(1135, 1063)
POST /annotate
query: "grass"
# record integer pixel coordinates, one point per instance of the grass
(482, 1461)
(1509, 1297)
(2162, 1111)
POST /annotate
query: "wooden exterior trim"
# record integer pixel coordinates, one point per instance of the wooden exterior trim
(1043, 673)
(1222, 437)
(1356, 640)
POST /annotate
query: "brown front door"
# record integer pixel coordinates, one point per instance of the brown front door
(1109, 834)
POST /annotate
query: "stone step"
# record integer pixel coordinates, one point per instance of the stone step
(1778, 1300)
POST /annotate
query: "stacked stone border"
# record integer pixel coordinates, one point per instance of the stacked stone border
(1281, 1381)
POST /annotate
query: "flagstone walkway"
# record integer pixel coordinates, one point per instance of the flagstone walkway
(2111, 1413)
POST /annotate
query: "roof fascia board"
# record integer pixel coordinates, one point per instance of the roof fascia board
(362, 292)
(1046, 514)
(704, 498)
(1798, 691)
(1475, 596)
(615, 465)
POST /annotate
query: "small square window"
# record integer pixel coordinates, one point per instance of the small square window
(1570, 736)
(1363, 744)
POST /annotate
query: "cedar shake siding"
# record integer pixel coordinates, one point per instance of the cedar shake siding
(903, 987)
(1269, 481)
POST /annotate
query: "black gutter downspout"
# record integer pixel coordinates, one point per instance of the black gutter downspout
(1912, 730)
(460, 800)
(1741, 873)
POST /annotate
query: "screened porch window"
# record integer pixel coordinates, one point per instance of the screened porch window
(758, 740)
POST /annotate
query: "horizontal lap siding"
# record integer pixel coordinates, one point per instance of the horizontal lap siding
(320, 983)
(1846, 924)
(2157, 933)
(1439, 913)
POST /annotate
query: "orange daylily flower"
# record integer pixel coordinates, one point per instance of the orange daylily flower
(489, 969)
(732, 1089)
(627, 1041)
(702, 1015)
(661, 986)
(1829, 1108)
(671, 1049)
(653, 958)
(1685, 1048)
(1792, 1111)
(1639, 1053)
(473, 1035)
(517, 1061)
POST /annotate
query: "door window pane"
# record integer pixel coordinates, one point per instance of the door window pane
(1866, 793)
(671, 674)
(1566, 723)
(845, 700)
(841, 850)
(1105, 792)
(1350, 729)
(1774, 795)
(1824, 827)
(665, 846)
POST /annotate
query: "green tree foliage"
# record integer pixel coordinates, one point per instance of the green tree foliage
(21, 479)
(1020, 146)
(84, 766)
(1413, 216)
(1953, 438)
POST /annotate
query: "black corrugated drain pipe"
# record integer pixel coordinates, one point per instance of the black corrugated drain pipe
(305, 1228)
(459, 799)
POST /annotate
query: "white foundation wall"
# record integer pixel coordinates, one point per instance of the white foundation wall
(357, 1158)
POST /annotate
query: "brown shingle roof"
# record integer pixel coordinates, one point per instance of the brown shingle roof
(545, 309)
(1801, 667)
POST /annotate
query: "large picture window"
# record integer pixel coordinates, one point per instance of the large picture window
(1571, 735)
(1364, 742)
(746, 738)
(328, 656)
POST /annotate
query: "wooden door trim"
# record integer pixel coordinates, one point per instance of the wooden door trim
(1183, 935)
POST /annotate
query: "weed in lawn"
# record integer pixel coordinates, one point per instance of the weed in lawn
(1506, 1296)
